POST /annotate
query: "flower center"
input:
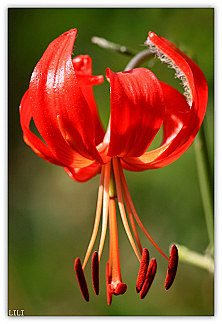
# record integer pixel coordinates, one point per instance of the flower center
(113, 187)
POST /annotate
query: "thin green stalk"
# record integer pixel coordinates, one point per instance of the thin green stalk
(138, 59)
(104, 43)
(205, 181)
(191, 257)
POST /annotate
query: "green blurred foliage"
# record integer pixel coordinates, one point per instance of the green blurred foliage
(51, 216)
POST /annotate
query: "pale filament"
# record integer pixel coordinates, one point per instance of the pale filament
(133, 225)
(97, 218)
(105, 208)
(128, 197)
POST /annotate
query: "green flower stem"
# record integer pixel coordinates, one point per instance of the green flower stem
(138, 59)
(104, 43)
(191, 257)
(206, 182)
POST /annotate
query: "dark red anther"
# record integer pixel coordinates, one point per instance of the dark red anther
(172, 268)
(149, 278)
(143, 270)
(81, 279)
(108, 280)
(95, 272)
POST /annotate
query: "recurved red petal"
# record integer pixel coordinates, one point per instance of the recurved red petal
(55, 92)
(39, 147)
(83, 68)
(84, 174)
(137, 111)
(194, 81)
(30, 138)
(182, 118)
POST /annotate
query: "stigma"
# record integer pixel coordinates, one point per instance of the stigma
(113, 192)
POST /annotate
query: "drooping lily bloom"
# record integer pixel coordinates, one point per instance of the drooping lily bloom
(60, 101)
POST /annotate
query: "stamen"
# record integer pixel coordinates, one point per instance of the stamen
(128, 197)
(149, 278)
(143, 270)
(108, 280)
(132, 223)
(105, 208)
(95, 272)
(97, 219)
(121, 206)
(81, 279)
(172, 268)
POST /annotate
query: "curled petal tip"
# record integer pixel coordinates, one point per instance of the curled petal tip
(72, 31)
(69, 34)
(108, 72)
(151, 34)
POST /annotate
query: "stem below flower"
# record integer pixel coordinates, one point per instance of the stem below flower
(104, 43)
(138, 59)
(188, 256)
(205, 181)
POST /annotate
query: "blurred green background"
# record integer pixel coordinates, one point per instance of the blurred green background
(51, 216)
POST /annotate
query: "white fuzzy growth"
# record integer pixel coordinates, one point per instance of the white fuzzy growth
(179, 74)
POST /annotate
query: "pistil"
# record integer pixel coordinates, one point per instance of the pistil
(108, 282)
(116, 286)
(121, 205)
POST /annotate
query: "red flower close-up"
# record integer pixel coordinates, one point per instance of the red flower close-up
(61, 103)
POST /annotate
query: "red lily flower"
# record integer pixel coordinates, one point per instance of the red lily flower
(60, 101)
